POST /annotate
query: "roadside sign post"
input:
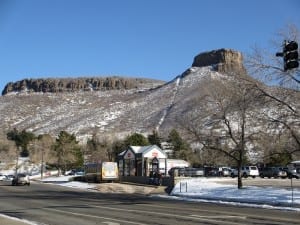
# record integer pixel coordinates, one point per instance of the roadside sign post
(292, 191)
(183, 186)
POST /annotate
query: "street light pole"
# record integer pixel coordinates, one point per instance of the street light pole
(42, 165)
(17, 160)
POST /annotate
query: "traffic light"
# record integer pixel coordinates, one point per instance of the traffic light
(290, 55)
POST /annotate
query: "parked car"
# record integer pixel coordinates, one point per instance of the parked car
(21, 179)
(233, 172)
(292, 172)
(193, 172)
(10, 177)
(3, 177)
(211, 171)
(272, 172)
(224, 171)
(76, 172)
(176, 171)
(250, 171)
(246, 171)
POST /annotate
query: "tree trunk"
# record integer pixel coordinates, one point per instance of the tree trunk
(240, 183)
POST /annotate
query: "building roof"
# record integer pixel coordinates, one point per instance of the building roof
(143, 150)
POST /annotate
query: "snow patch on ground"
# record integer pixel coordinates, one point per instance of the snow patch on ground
(209, 189)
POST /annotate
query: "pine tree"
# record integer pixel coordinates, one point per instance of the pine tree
(21, 139)
(136, 139)
(67, 151)
(154, 138)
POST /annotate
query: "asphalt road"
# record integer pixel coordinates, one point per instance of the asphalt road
(57, 205)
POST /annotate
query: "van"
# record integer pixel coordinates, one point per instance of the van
(101, 172)
(274, 172)
(246, 171)
(250, 171)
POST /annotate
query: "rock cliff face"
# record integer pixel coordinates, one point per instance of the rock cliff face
(223, 60)
(79, 84)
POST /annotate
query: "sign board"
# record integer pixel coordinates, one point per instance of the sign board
(129, 155)
(155, 153)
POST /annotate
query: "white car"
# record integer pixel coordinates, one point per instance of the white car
(246, 171)
(250, 171)
(3, 177)
(22, 179)
(10, 177)
(224, 171)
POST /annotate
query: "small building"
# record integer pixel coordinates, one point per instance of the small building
(141, 161)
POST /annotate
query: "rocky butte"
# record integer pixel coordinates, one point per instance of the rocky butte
(223, 60)
(112, 105)
(55, 85)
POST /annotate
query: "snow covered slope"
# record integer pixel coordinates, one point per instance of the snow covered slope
(115, 111)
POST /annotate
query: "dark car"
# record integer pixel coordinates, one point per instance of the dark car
(211, 171)
(275, 172)
(21, 179)
(292, 172)
(176, 171)
(193, 172)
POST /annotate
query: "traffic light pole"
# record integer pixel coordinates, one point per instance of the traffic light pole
(290, 55)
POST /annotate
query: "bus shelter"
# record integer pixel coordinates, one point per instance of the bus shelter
(141, 160)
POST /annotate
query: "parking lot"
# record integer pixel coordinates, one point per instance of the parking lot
(286, 183)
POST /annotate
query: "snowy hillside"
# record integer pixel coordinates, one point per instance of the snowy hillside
(117, 111)
(114, 112)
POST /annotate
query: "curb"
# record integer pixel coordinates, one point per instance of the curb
(240, 201)
(9, 220)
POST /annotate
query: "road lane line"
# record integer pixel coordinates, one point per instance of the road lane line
(189, 217)
(97, 217)
(220, 217)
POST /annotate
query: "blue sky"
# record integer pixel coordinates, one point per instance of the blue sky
(137, 38)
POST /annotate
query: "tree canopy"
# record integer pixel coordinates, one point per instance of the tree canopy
(136, 139)
(67, 151)
(21, 139)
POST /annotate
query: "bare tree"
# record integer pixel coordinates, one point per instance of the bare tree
(7, 151)
(225, 120)
(264, 65)
(41, 150)
(283, 119)
(100, 148)
(284, 115)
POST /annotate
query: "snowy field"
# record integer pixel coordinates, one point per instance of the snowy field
(211, 190)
